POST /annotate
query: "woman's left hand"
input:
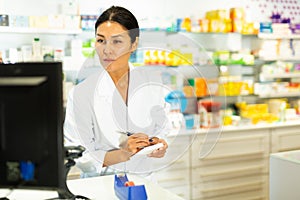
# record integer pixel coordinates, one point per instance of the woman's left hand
(159, 153)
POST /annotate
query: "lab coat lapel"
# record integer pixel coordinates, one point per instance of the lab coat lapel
(145, 97)
(110, 109)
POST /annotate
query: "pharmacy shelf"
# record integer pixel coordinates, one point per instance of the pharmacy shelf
(283, 75)
(245, 127)
(272, 36)
(280, 94)
(22, 30)
(287, 58)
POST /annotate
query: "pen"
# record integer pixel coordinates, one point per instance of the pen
(129, 134)
(125, 132)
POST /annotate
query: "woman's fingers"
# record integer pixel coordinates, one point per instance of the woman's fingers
(137, 141)
(153, 140)
(164, 142)
(160, 152)
(139, 135)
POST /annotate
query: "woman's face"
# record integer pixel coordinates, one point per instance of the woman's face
(113, 46)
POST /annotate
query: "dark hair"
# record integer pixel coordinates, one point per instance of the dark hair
(123, 17)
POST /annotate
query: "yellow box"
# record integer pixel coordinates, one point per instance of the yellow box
(204, 24)
(237, 25)
(214, 25)
(38, 21)
(237, 13)
(217, 14)
(254, 110)
(188, 91)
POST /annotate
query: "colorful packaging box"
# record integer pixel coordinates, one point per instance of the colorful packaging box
(18, 21)
(4, 20)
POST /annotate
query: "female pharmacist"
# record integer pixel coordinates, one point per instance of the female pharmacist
(119, 99)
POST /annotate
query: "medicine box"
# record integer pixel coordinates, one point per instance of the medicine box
(18, 21)
(4, 20)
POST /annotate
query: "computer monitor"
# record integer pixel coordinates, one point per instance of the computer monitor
(31, 131)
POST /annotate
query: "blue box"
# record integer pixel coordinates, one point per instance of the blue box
(18, 21)
(136, 192)
(189, 121)
(265, 27)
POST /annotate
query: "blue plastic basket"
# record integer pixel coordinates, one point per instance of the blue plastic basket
(136, 192)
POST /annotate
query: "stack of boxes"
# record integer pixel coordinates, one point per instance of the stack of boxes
(70, 18)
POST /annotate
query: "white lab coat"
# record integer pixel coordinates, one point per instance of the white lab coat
(96, 112)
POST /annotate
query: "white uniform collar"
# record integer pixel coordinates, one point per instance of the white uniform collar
(131, 67)
(106, 84)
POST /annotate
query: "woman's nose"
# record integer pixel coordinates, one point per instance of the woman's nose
(107, 49)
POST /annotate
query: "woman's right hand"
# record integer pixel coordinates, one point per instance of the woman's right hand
(128, 148)
(136, 142)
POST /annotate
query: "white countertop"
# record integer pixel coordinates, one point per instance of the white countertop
(101, 187)
(291, 156)
(236, 128)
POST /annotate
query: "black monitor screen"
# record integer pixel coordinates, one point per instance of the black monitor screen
(31, 115)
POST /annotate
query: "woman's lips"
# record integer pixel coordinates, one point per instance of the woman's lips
(107, 63)
(108, 60)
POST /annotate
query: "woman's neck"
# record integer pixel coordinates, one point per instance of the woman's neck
(119, 76)
(121, 81)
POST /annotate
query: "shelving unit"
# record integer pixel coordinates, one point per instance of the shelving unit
(284, 75)
(16, 37)
(280, 95)
(23, 30)
(237, 167)
(270, 36)
(281, 57)
(279, 38)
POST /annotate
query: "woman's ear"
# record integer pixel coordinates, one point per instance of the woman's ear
(135, 44)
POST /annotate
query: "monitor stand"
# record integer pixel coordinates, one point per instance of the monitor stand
(72, 152)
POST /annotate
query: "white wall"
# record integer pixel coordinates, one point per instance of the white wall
(29, 7)
(162, 8)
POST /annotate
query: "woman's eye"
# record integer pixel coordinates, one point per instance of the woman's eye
(117, 41)
(101, 41)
